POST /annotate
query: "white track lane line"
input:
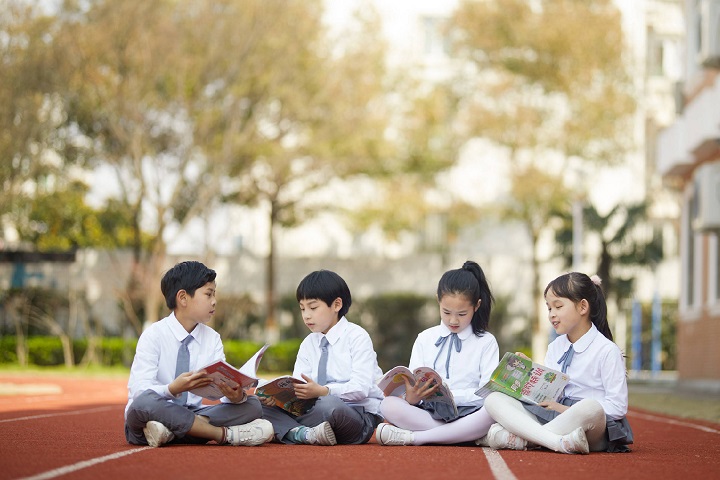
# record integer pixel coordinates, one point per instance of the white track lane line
(80, 465)
(498, 466)
(59, 414)
(671, 421)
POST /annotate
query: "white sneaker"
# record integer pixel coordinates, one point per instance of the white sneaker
(157, 434)
(575, 442)
(387, 434)
(482, 441)
(254, 433)
(320, 435)
(499, 438)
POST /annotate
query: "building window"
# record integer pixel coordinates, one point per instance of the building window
(714, 271)
(663, 58)
(656, 56)
(692, 268)
(435, 42)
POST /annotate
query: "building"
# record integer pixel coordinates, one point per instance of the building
(688, 157)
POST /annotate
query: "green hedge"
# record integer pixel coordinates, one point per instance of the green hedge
(280, 357)
(47, 351)
(114, 351)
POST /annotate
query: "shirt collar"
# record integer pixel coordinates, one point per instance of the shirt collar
(179, 331)
(584, 342)
(335, 332)
(462, 335)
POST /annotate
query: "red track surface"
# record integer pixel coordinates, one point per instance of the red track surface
(73, 428)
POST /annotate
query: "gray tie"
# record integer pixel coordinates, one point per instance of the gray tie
(322, 366)
(182, 366)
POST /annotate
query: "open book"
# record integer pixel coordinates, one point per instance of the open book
(222, 372)
(392, 384)
(282, 391)
(525, 380)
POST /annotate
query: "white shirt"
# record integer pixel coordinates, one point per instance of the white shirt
(156, 355)
(597, 370)
(352, 367)
(470, 368)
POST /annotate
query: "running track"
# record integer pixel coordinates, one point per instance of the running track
(72, 428)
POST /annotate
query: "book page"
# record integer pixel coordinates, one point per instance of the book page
(222, 372)
(393, 383)
(250, 367)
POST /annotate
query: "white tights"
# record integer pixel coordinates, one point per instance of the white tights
(587, 413)
(428, 430)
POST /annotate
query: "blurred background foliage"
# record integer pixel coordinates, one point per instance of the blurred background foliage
(190, 105)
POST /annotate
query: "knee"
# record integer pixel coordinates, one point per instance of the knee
(146, 400)
(591, 408)
(253, 406)
(389, 406)
(493, 400)
(328, 404)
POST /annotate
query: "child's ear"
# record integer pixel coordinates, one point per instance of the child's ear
(181, 298)
(337, 304)
(583, 307)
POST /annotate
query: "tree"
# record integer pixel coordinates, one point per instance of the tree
(407, 195)
(125, 90)
(624, 245)
(30, 133)
(550, 84)
(289, 112)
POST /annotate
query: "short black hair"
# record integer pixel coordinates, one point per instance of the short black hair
(326, 286)
(188, 276)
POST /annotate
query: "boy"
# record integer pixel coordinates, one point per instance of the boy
(161, 409)
(347, 407)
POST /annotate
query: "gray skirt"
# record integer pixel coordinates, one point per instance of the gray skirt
(618, 432)
(443, 411)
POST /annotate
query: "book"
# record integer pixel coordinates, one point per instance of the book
(393, 384)
(223, 373)
(282, 391)
(525, 380)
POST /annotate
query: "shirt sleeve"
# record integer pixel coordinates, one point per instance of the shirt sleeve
(144, 370)
(614, 381)
(363, 361)
(416, 355)
(303, 366)
(219, 352)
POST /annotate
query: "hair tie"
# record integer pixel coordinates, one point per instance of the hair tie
(596, 280)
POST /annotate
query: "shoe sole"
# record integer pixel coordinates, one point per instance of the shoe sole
(579, 443)
(329, 436)
(585, 447)
(154, 432)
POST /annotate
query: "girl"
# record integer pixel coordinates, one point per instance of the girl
(591, 414)
(461, 350)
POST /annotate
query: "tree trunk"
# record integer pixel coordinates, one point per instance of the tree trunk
(272, 333)
(20, 342)
(151, 279)
(68, 353)
(540, 331)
